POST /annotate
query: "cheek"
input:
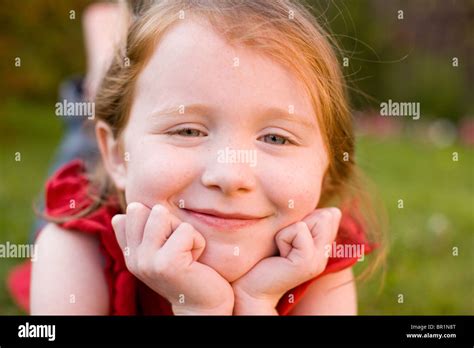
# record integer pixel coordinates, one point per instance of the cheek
(156, 171)
(295, 192)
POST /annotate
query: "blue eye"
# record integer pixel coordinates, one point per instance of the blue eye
(186, 132)
(192, 132)
(276, 139)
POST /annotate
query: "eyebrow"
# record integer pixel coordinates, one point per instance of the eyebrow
(272, 112)
(277, 113)
(188, 109)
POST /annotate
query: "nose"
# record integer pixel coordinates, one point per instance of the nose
(229, 173)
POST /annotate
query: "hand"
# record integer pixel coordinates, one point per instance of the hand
(302, 257)
(163, 252)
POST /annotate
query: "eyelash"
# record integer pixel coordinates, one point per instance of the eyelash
(179, 131)
(183, 130)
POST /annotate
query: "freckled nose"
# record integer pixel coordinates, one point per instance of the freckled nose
(230, 178)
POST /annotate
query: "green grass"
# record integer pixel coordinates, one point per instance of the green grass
(420, 264)
(34, 131)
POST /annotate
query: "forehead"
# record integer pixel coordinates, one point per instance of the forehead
(193, 63)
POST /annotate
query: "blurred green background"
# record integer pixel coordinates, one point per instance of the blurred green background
(408, 59)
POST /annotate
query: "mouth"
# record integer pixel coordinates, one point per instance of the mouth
(223, 221)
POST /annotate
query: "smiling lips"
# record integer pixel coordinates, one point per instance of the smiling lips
(223, 221)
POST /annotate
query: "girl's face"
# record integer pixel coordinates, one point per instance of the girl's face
(224, 131)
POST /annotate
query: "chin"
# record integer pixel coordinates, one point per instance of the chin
(231, 267)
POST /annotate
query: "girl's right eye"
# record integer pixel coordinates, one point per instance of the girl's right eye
(187, 132)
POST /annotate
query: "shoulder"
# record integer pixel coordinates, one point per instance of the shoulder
(67, 274)
(54, 238)
(331, 294)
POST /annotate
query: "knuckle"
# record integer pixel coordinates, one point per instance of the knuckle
(301, 227)
(336, 212)
(326, 213)
(280, 237)
(185, 226)
(186, 231)
(133, 207)
(160, 210)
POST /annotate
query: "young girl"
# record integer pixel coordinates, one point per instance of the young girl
(225, 135)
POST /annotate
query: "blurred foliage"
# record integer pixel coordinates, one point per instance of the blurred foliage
(408, 59)
(47, 40)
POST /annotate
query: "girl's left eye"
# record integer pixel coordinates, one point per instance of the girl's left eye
(276, 139)
(187, 132)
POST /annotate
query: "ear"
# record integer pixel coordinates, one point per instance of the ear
(112, 154)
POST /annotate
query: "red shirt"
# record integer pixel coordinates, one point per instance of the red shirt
(67, 193)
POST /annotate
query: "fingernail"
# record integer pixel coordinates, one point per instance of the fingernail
(335, 211)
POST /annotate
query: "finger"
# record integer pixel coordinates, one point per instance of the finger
(336, 221)
(185, 239)
(323, 220)
(326, 229)
(137, 216)
(294, 242)
(118, 224)
(312, 218)
(160, 225)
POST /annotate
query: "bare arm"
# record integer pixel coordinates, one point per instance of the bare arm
(68, 278)
(332, 294)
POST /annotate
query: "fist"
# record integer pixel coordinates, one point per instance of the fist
(302, 256)
(163, 253)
